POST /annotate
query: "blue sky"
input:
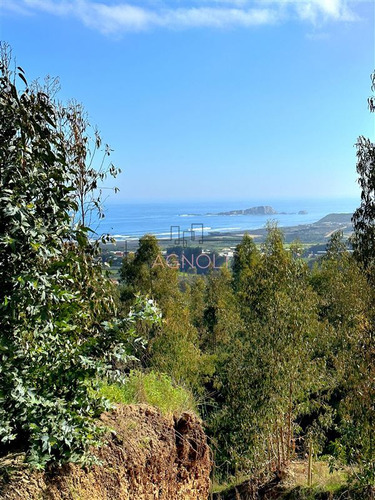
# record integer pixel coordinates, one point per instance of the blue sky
(211, 99)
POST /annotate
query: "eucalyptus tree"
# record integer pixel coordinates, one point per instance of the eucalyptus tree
(360, 438)
(173, 347)
(58, 314)
(244, 259)
(221, 313)
(274, 366)
(146, 271)
(364, 217)
(346, 299)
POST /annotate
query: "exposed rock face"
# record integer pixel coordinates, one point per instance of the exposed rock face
(146, 457)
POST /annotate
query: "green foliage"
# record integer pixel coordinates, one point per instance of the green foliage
(357, 443)
(276, 348)
(244, 259)
(283, 354)
(175, 350)
(197, 304)
(344, 296)
(146, 272)
(274, 365)
(364, 217)
(221, 317)
(151, 388)
(58, 331)
(82, 153)
(174, 346)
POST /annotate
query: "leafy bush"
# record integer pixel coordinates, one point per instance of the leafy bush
(155, 389)
(57, 329)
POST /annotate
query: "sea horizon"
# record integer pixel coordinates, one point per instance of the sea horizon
(129, 220)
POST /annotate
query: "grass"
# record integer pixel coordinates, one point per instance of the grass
(322, 479)
(221, 487)
(154, 389)
(294, 487)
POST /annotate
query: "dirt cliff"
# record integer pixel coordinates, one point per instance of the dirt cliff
(146, 456)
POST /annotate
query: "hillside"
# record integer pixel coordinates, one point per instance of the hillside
(336, 218)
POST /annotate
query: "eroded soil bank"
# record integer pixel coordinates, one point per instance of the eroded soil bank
(147, 456)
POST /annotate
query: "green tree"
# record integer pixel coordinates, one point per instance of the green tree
(360, 438)
(346, 303)
(220, 315)
(244, 260)
(58, 327)
(197, 292)
(344, 294)
(88, 159)
(364, 217)
(174, 346)
(147, 272)
(273, 366)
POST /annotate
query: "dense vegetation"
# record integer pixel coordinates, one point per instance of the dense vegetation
(278, 356)
(60, 330)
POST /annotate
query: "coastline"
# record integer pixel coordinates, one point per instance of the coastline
(316, 232)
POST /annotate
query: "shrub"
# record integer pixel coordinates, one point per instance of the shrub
(57, 329)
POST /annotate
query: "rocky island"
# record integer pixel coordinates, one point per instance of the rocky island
(261, 210)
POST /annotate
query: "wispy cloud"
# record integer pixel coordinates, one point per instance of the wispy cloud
(111, 18)
(328, 9)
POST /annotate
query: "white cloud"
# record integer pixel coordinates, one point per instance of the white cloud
(121, 17)
(313, 10)
(319, 10)
(15, 7)
(111, 19)
(217, 17)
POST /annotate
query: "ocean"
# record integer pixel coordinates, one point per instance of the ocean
(124, 220)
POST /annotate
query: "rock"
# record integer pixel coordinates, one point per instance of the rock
(261, 210)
